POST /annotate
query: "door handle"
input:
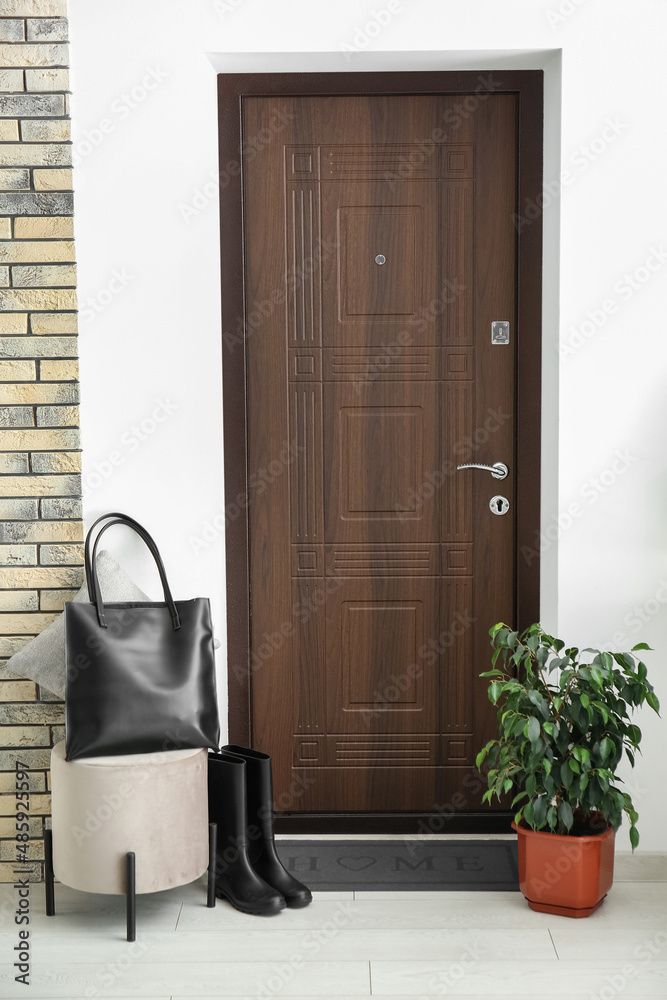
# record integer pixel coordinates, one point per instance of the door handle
(498, 470)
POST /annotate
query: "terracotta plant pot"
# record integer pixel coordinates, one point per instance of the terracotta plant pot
(569, 876)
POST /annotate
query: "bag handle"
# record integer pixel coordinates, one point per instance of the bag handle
(92, 581)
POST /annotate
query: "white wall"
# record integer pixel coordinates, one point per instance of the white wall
(605, 403)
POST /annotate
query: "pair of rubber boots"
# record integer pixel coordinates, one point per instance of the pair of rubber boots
(248, 871)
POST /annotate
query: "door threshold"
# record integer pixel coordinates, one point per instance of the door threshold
(394, 824)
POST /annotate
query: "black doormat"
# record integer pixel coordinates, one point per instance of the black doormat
(406, 865)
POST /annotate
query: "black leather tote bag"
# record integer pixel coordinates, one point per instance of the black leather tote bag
(140, 675)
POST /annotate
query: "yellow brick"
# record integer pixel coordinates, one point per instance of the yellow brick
(12, 324)
(24, 736)
(43, 486)
(24, 624)
(9, 130)
(7, 872)
(8, 784)
(58, 371)
(40, 440)
(34, 853)
(22, 298)
(53, 323)
(17, 371)
(54, 600)
(18, 691)
(5, 229)
(53, 180)
(44, 227)
(43, 531)
(40, 804)
(34, 8)
(40, 576)
(46, 79)
(33, 55)
(28, 253)
(37, 392)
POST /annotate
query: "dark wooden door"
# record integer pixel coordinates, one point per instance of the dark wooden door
(380, 247)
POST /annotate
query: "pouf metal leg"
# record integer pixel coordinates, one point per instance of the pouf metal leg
(212, 849)
(48, 873)
(131, 895)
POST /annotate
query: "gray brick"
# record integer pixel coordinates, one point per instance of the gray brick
(61, 508)
(33, 759)
(31, 105)
(12, 30)
(12, 79)
(43, 275)
(18, 555)
(13, 464)
(35, 714)
(16, 416)
(57, 734)
(53, 463)
(57, 416)
(37, 347)
(20, 600)
(43, 203)
(47, 29)
(46, 130)
(18, 510)
(13, 179)
(59, 555)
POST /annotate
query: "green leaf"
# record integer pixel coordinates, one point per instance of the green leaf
(574, 766)
(641, 645)
(652, 700)
(540, 811)
(495, 689)
(606, 748)
(634, 835)
(547, 765)
(566, 776)
(533, 730)
(597, 678)
(565, 815)
(507, 784)
(585, 700)
(581, 754)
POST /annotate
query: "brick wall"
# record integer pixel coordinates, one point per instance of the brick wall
(40, 461)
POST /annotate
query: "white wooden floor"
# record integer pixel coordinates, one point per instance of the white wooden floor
(430, 944)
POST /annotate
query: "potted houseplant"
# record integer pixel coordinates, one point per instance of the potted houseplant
(564, 723)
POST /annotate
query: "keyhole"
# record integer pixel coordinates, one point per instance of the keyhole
(499, 506)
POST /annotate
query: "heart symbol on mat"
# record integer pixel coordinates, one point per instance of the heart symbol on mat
(356, 864)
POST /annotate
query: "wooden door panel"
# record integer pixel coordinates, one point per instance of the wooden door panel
(365, 302)
(376, 567)
(376, 681)
(372, 495)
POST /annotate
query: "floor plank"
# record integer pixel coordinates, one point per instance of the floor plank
(470, 976)
(180, 979)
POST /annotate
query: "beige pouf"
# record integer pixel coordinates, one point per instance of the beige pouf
(155, 805)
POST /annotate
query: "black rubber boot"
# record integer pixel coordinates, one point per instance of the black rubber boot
(261, 842)
(235, 878)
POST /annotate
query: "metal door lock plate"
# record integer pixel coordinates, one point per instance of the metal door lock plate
(500, 332)
(499, 505)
